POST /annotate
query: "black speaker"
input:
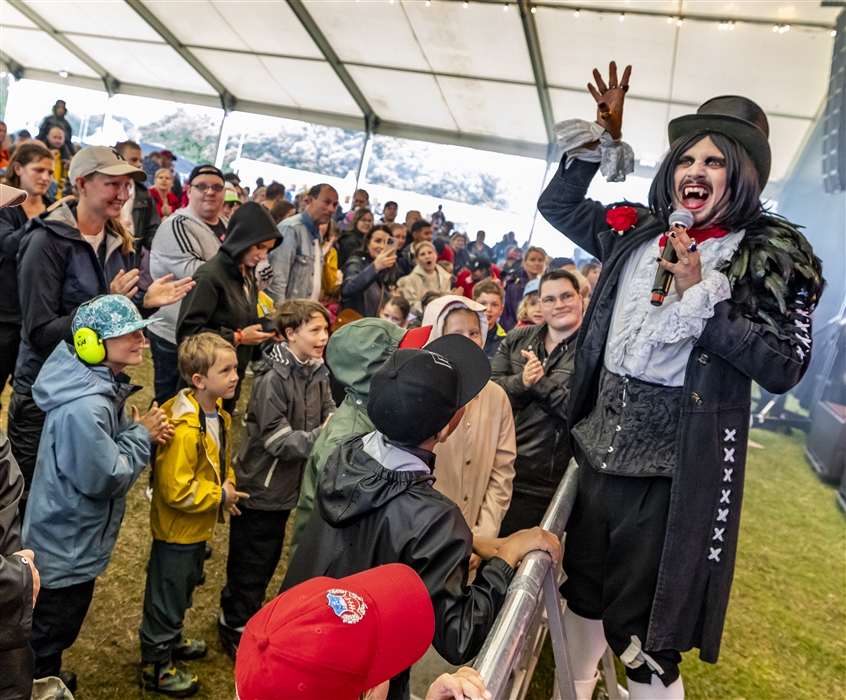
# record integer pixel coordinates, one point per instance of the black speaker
(825, 447)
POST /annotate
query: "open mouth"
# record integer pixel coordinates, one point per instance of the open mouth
(694, 196)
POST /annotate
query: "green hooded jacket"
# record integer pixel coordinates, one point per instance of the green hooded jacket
(354, 354)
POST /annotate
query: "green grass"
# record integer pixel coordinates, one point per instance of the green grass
(785, 635)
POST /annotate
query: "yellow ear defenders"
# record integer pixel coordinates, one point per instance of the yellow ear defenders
(89, 346)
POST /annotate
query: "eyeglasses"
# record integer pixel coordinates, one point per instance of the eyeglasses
(203, 187)
(566, 298)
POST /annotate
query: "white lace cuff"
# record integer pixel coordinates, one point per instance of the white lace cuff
(615, 158)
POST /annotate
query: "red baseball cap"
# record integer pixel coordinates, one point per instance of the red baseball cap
(335, 638)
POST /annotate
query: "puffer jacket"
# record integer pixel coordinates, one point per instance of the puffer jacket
(540, 412)
(189, 473)
(57, 271)
(287, 408)
(90, 455)
(354, 353)
(368, 515)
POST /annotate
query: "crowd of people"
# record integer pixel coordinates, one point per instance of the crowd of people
(416, 398)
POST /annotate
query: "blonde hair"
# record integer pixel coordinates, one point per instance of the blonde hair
(422, 244)
(198, 353)
(535, 249)
(523, 308)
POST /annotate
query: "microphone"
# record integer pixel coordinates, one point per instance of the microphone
(663, 278)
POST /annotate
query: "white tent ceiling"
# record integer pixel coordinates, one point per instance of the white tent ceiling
(484, 74)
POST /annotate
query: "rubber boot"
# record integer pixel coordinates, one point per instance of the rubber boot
(656, 690)
(584, 689)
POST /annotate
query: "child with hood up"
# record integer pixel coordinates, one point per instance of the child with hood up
(225, 299)
(476, 466)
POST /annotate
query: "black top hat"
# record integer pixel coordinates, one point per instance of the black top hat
(737, 117)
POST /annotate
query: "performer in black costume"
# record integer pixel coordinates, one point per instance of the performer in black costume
(661, 395)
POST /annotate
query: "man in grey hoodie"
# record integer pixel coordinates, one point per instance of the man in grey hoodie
(183, 242)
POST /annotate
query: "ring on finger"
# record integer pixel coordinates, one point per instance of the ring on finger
(685, 260)
(692, 248)
(624, 88)
(606, 115)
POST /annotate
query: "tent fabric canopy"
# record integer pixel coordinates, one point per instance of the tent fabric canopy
(490, 75)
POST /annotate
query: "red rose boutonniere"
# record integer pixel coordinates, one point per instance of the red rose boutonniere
(621, 219)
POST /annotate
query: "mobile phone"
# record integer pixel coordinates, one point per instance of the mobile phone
(391, 246)
(268, 325)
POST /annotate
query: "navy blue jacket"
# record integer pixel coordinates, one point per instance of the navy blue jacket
(57, 271)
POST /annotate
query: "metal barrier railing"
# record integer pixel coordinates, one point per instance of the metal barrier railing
(508, 657)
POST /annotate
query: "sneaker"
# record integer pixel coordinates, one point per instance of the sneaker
(168, 680)
(190, 649)
(208, 551)
(229, 639)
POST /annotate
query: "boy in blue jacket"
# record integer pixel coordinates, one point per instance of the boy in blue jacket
(89, 456)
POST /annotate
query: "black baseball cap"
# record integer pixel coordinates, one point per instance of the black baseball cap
(480, 263)
(206, 169)
(415, 393)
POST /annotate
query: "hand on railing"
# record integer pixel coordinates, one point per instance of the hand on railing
(464, 683)
(516, 547)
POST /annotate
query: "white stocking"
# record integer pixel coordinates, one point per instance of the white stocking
(585, 643)
(656, 690)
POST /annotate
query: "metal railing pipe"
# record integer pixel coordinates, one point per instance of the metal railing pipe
(504, 645)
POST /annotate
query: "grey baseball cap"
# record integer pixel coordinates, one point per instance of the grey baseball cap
(104, 160)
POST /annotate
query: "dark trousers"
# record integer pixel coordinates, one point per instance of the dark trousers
(165, 368)
(615, 538)
(56, 621)
(26, 423)
(524, 512)
(255, 546)
(10, 343)
(16, 673)
(172, 575)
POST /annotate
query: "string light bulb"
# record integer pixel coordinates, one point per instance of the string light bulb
(679, 22)
(534, 10)
(775, 28)
(731, 26)
(63, 74)
(576, 13)
(833, 32)
(466, 5)
(428, 3)
(622, 16)
(670, 20)
(505, 8)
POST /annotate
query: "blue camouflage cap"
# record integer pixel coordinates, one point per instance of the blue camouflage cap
(531, 286)
(110, 316)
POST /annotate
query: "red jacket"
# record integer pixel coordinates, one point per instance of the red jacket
(171, 200)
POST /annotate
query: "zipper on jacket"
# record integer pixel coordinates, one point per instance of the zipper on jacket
(554, 452)
(108, 521)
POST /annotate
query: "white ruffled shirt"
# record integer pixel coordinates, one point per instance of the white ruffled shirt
(654, 343)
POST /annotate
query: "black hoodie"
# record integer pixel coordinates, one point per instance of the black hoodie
(223, 300)
(368, 515)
